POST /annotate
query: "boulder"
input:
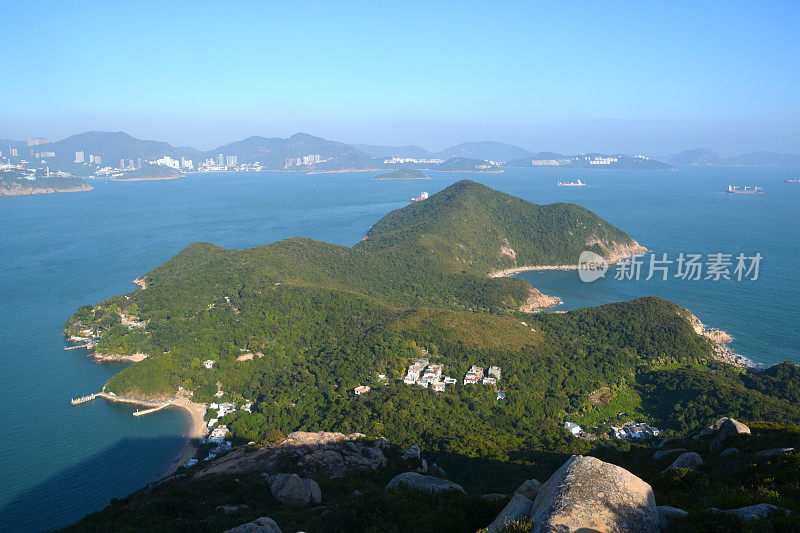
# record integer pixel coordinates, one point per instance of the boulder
(518, 508)
(259, 525)
(773, 451)
(291, 489)
(663, 453)
(752, 512)
(689, 460)
(429, 484)
(529, 489)
(494, 496)
(729, 451)
(727, 427)
(589, 494)
(666, 514)
(412, 453)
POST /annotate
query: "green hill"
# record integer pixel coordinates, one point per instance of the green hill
(469, 227)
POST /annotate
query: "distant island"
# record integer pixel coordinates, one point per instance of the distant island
(402, 175)
(17, 183)
(151, 172)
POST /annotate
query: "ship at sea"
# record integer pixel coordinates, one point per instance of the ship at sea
(578, 183)
(736, 189)
(793, 180)
(423, 196)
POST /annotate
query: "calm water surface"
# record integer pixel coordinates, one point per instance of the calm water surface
(58, 252)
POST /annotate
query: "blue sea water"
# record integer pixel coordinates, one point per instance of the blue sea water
(58, 252)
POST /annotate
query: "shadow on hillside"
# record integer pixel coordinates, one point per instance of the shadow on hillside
(480, 475)
(89, 485)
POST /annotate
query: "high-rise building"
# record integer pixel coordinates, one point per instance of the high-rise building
(14, 152)
(91, 158)
(219, 159)
(97, 160)
(122, 163)
(231, 160)
(79, 157)
(130, 163)
(138, 162)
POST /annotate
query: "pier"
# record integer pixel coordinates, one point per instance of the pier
(88, 346)
(83, 399)
(151, 406)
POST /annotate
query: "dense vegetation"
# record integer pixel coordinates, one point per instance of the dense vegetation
(322, 319)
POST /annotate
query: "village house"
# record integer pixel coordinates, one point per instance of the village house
(361, 389)
(474, 375)
(209, 363)
(573, 428)
(489, 381)
(414, 371)
(494, 371)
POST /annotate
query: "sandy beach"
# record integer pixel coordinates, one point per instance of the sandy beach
(196, 412)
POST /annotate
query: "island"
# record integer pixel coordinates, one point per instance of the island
(336, 362)
(151, 173)
(402, 175)
(18, 183)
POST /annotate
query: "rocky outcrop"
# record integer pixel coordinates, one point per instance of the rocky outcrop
(773, 451)
(291, 489)
(663, 453)
(259, 525)
(587, 494)
(752, 512)
(328, 454)
(519, 508)
(729, 451)
(667, 514)
(727, 427)
(537, 300)
(688, 460)
(429, 484)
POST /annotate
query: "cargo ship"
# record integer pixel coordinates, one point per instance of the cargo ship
(735, 189)
(422, 196)
(578, 183)
(793, 180)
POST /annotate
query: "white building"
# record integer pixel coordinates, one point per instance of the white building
(209, 363)
(78, 157)
(573, 428)
(494, 371)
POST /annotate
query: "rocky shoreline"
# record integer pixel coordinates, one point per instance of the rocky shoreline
(20, 190)
(538, 300)
(616, 253)
(722, 350)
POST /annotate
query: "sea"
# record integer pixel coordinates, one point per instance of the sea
(58, 252)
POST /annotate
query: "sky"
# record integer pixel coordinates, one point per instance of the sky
(565, 76)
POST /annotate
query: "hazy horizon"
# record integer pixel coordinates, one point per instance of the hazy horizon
(610, 78)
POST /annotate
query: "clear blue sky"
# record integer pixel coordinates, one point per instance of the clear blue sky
(572, 76)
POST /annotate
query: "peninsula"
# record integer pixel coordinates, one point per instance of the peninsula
(13, 183)
(406, 337)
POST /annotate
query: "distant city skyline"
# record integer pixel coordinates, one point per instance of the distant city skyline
(615, 77)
